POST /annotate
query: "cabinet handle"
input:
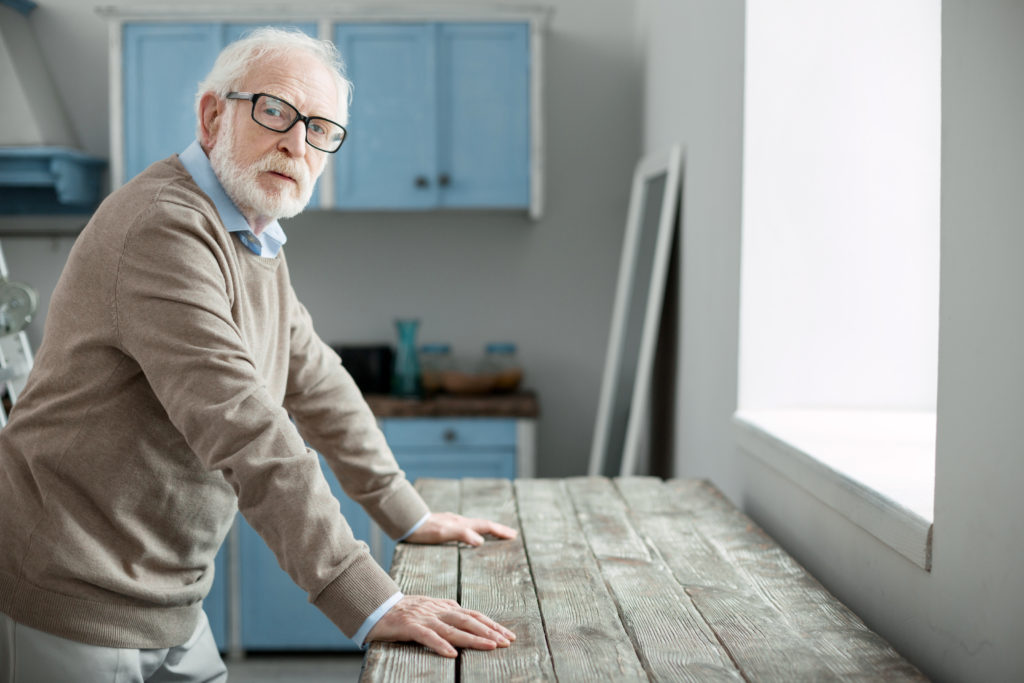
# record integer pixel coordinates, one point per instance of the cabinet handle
(449, 435)
(421, 181)
(444, 180)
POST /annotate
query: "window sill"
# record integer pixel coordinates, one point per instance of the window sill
(875, 468)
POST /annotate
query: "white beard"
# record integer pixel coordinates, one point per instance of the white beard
(240, 182)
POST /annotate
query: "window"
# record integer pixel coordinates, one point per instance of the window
(840, 262)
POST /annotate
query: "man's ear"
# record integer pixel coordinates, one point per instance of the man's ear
(211, 109)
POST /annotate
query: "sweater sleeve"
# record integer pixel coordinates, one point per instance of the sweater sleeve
(173, 311)
(333, 416)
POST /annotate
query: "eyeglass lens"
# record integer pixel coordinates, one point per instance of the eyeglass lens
(278, 115)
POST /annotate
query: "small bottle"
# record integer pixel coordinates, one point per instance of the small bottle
(405, 380)
(435, 360)
(500, 360)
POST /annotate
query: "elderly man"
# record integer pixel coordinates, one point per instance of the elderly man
(175, 359)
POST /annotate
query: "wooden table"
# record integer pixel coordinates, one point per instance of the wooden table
(626, 580)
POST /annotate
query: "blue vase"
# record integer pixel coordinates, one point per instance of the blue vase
(405, 380)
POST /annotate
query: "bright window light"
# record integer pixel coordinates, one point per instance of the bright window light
(840, 260)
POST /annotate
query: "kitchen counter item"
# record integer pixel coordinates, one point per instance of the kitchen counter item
(501, 362)
(463, 382)
(405, 380)
(521, 404)
(370, 365)
(435, 359)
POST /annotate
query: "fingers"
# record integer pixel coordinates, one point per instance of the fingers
(495, 529)
(440, 625)
(482, 624)
(432, 640)
(441, 527)
(471, 537)
(473, 528)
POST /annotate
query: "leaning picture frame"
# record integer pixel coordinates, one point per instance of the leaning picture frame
(640, 292)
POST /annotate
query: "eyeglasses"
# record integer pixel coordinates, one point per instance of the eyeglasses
(279, 116)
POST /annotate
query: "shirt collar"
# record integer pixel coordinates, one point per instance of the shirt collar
(195, 161)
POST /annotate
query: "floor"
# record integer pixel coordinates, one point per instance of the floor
(299, 668)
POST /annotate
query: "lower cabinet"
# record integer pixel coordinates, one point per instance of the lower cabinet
(274, 613)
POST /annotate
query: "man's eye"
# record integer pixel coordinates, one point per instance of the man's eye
(317, 128)
(272, 111)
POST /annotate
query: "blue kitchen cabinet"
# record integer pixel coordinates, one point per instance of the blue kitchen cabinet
(449, 448)
(275, 613)
(162, 65)
(440, 116)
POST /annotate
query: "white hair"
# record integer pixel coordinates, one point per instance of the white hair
(237, 59)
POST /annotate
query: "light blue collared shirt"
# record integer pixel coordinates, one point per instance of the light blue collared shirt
(268, 243)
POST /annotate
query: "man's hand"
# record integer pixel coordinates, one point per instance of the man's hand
(441, 625)
(441, 527)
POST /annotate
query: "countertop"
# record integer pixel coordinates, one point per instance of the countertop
(521, 404)
(627, 579)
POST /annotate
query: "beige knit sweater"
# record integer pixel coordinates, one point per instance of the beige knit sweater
(158, 406)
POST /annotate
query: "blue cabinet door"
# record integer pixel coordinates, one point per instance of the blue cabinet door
(440, 116)
(484, 96)
(390, 157)
(163, 65)
(276, 613)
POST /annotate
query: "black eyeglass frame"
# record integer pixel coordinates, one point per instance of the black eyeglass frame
(299, 116)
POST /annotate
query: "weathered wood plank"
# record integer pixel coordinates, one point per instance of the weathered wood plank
(419, 570)
(776, 620)
(848, 645)
(495, 579)
(585, 636)
(759, 639)
(671, 637)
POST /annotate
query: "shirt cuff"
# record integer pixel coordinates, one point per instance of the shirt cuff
(372, 620)
(415, 526)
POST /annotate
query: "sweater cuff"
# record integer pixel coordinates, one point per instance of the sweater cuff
(400, 513)
(355, 594)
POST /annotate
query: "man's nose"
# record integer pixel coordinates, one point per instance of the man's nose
(293, 141)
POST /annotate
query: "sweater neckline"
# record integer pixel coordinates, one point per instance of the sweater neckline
(245, 255)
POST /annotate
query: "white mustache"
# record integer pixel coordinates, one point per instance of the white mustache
(282, 165)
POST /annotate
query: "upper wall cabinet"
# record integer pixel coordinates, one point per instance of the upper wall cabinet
(445, 110)
(440, 116)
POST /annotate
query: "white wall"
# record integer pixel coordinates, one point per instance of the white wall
(694, 96)
(470, 277)
(962, 621)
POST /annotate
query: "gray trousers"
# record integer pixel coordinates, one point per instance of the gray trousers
(31, 656)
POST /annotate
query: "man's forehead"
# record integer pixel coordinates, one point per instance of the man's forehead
(298, 77)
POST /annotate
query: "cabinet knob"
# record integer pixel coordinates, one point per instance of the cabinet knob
(444, 180)
(421, 181)
(449, 435)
